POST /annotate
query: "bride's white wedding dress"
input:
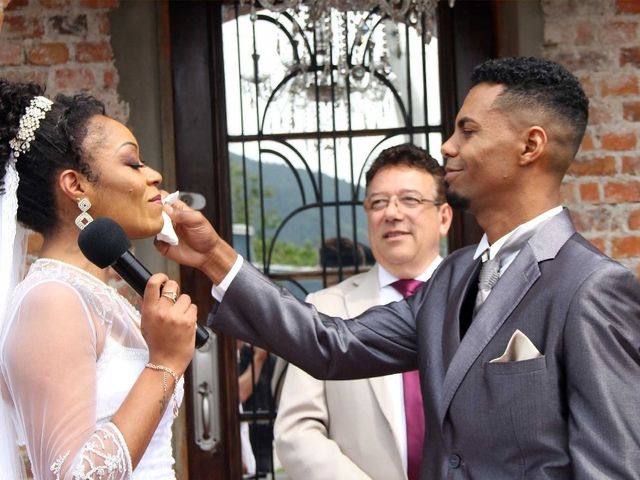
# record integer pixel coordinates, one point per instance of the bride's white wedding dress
(71, 349)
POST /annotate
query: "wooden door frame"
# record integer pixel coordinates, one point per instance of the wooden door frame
(199, 117)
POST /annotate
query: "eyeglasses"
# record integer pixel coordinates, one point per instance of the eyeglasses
(408, 201)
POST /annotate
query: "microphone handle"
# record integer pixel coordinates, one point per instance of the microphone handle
(132, 272)
(137, 276)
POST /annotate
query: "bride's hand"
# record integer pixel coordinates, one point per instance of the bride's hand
(169, 322)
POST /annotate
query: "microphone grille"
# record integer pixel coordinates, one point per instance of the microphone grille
(103, 241)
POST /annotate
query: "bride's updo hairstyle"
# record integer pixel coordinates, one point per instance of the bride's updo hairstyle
(57, 146)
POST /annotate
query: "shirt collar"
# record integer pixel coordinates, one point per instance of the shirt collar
(530, 225)
(385, 278)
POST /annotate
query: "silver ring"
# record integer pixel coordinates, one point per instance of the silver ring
(173, 296)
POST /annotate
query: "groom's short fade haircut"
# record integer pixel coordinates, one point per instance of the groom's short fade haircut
(535, 83)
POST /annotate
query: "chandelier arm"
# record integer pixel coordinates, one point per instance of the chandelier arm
(279, 86)
(367, 45)
(284, 30)
(366, 162)
(279, 6)
(395, 13)
(395, 94)
(366, 19)
(294, 21)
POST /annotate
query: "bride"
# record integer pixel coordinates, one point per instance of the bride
(89, 385)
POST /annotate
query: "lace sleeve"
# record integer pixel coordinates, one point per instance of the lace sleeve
(50, 359)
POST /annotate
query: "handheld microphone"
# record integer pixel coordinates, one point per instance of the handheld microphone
(105, 244)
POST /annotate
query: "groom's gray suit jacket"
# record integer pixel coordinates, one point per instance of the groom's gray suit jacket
(571, 413)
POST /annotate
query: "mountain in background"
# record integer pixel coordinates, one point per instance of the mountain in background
(283, 194)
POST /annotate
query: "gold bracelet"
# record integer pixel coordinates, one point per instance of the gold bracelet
(164, 371)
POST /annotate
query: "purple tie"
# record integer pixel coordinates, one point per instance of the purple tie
(413, 407)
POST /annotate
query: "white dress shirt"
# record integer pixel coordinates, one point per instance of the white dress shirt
(520, 229)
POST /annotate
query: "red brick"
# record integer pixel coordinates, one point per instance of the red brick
(590, 60)
(567, 193)
(630, 56)
(55, 3)
(599, 244)
(634, 220)
(619, 85)
(587, 143)
(592, 220)
(49, 54)
(11, 54)
(619, 141)
(19, 26)
(621, 192)
(584, 33)
(589, 192)
(110, 78)
(626, 247)
(99, 3)
(631, 165)
(593, 166)
(21, 74)
(627, 6)
(631, 111)
(104, 25)
(599, 114)
(74, 79)
(587, 86)
(616, 33)
(15, 5)
(92, 52)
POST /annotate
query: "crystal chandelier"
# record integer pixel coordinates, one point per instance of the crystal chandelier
(415, 13)
(342, 46)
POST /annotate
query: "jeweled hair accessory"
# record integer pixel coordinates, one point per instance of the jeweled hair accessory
(29, 123)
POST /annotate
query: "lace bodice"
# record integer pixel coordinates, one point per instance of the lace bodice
(71, 349)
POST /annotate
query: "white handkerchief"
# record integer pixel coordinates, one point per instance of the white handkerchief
(519, 348)
(168, 234)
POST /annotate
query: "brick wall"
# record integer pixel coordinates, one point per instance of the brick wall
(599, 41)
(63, 44)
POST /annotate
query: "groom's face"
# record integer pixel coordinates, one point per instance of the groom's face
(481, 154)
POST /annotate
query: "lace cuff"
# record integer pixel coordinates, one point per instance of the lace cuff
(104, 456)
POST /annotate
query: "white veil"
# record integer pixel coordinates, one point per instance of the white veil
(12, 261)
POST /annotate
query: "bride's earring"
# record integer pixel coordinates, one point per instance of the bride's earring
(84, 218)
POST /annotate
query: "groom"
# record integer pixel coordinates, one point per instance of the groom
(528, 344)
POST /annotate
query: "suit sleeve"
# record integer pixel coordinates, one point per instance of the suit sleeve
(381, 342)
(602, 348)
(301, 435)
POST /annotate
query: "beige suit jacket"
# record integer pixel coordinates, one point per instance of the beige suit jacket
(339, 430)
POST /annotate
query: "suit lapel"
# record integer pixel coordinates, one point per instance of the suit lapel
(357, 301)
(506, 295)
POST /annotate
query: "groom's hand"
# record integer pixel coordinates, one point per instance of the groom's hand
(200, 246)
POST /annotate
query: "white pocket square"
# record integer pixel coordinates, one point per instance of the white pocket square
(519, 348)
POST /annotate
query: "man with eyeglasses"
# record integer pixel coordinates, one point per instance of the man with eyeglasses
(322, 425)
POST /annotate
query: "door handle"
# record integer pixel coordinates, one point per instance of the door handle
(197, 201)
(206, 395)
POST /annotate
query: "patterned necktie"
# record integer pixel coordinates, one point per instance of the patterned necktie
(489, 276)
(413, 406)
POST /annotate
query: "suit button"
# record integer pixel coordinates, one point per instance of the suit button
(454, 460)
